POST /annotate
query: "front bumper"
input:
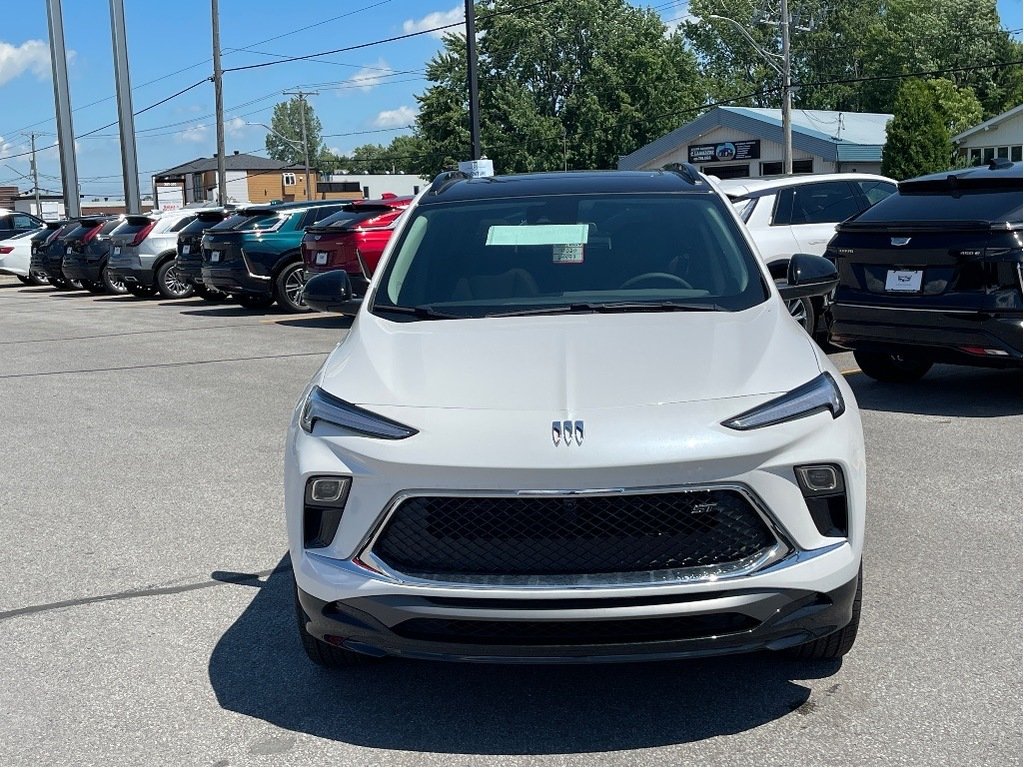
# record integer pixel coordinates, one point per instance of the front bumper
(592, 629)
(354, 602)
(936, 335)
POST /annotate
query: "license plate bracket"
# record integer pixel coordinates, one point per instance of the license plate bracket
(214, 256)
(904, 280)
(321, 258)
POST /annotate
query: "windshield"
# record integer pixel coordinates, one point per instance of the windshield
(570, 253)
(946, 205)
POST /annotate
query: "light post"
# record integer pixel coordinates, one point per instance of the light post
(782, 66)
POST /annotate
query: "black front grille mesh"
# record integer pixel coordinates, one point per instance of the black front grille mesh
(521, 536)
(574, 632)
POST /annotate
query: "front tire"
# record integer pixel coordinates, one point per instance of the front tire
(170, 283)
(892, 367)
(320, 653)
(838, 644)
(288, 288)
(802, 310)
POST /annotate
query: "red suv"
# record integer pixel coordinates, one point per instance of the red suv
(353, 239)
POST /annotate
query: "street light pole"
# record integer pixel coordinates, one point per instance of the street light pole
(784, 71)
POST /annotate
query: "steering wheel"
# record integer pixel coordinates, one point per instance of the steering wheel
(648, 277)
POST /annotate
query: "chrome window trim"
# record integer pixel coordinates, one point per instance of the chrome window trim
(910, 309)
(782, 551)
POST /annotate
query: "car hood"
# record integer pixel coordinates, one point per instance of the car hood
(571, 362)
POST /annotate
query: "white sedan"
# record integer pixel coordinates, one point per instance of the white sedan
(15, 256)
(573, 421)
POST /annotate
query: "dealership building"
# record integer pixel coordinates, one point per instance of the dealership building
(735, 142)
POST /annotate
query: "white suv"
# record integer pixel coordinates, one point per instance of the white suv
(798, 214)
(573, 421)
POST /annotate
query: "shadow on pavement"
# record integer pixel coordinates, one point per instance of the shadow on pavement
(258, 669)
(319, 320)
(947, 390)
(231, 310)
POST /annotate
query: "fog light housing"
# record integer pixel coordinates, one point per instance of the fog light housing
(824, 490)
(323, 507)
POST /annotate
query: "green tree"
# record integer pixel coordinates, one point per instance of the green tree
(916, 139)
(284, 143)
(959, 106)
(400, 156)
(567, 84)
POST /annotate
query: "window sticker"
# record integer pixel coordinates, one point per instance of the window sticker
(571, 253)
(538, 234)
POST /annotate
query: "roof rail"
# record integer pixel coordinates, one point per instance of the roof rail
(686, 171)
(444, 180)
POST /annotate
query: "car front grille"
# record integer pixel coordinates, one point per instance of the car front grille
(475, 632)
(440, 537)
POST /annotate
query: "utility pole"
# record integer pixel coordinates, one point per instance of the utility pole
(787, 95)
(62, 99)
(125, 117)
(218, 96)
(305, 142)
(783, 68)
(35, 174)
(474, 96)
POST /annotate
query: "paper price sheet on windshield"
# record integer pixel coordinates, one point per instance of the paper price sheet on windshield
(566, 240)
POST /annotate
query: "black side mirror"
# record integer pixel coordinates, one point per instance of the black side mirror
(809, 275)
(331, 292)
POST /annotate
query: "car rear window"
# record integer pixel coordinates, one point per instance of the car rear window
(201, 224)
(991, 205)
(110, 226)
(352, 215)
(242, 222)
(81, 230)
(134, 225)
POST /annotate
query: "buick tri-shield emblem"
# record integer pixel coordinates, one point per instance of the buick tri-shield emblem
(567, 432)
(898, 241)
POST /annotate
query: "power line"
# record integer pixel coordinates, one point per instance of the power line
(393, 39)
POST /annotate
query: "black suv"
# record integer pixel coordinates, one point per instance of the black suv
(189, 258)
(933, 274)
(48, 258)
(86, 252)
(255, 254)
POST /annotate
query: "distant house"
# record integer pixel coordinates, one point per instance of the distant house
(999, 136)
(250, 179)
(732, 142)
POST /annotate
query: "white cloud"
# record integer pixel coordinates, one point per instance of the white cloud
(437, 19)
(7, 149)
(678, 16)
(195, 134)
(235, 127)
(395, 118)
(368, 78)
(32, 55)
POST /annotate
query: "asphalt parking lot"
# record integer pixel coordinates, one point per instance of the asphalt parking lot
(146, 618)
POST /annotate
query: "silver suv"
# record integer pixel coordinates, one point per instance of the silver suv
(143, 253)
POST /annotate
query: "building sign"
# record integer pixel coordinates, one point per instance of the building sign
(171, 196)
(725, 151)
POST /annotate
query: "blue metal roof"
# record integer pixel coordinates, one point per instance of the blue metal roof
(834, 136)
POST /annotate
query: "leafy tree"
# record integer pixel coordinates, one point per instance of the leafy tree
(568, 84)
(400, 156)
(959, 106)
(287, 121)
(916, 139)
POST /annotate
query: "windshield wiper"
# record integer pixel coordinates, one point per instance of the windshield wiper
(610, 307)
(423, 312)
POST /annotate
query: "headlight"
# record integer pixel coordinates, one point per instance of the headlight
(819, 394)
(320, 406)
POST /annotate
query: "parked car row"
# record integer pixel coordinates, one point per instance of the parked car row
(930, 269)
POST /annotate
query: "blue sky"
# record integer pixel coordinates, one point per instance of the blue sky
(365, 95)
